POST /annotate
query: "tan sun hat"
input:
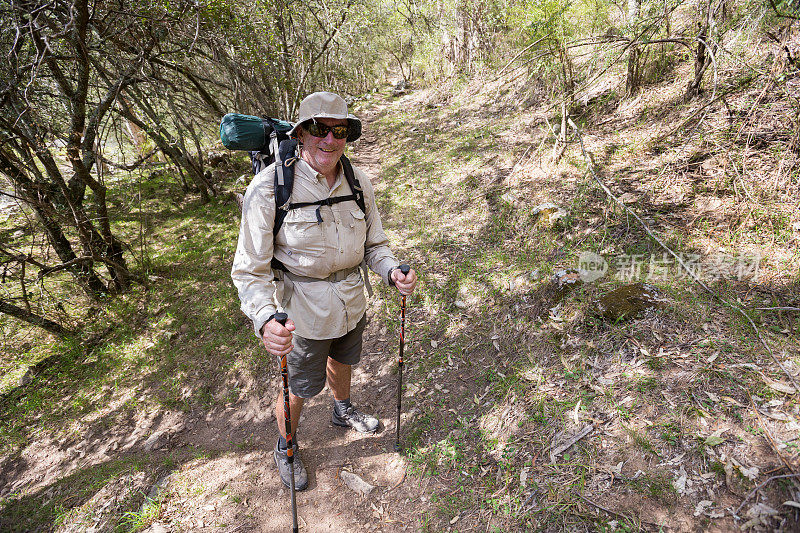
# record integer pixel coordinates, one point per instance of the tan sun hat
(327, 105)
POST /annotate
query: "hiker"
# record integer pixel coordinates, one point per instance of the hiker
(311, 267)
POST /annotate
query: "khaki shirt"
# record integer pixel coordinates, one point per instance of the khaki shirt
(320, 309)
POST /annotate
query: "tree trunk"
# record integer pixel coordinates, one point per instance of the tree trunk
(566, 72)
(701, 59)
(40, 200)
(173, 152)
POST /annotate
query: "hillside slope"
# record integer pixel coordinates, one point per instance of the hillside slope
(528, 406)
(668, 419)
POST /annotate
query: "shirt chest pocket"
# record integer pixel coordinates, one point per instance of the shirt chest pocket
(303, 234)
(358, 227)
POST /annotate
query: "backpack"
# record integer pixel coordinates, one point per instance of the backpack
(267, 140)
(260, 137)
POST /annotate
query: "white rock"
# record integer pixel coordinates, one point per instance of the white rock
(153, 441)
(750, 473)
(541, 207)
(356, 484)
(680, 482)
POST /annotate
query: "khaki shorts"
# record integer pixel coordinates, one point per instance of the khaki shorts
(308, 360)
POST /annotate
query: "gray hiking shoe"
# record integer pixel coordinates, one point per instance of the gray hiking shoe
(353, 418)
(300, 474)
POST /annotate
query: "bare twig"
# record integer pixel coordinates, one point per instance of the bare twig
(519, 54)
(777, 308)
(131, 166)
(63, 266)
(770, 438)
(761, 486)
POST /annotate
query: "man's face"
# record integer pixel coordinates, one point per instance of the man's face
(323, 153)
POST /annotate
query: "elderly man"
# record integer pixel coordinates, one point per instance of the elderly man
(318, 249)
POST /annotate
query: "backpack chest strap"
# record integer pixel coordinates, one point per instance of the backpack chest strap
(319, 203)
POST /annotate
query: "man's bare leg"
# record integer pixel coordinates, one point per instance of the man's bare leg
(344, 414)
(339, 377)
(295, 408)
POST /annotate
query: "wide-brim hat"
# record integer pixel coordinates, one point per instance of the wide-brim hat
(327, 105)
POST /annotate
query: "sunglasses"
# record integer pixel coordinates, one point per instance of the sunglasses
(318, 129)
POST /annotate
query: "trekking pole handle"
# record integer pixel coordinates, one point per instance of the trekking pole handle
(405, 269)
(281, 318)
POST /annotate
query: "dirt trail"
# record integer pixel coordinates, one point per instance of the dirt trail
(327, 505)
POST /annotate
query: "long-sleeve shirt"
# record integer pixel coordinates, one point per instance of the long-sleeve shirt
(320, 309)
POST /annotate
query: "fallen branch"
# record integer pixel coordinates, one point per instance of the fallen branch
(615, 513)
(567, 445)
(32, 318)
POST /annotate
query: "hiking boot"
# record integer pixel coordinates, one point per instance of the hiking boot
(353, 418)
(300, 474)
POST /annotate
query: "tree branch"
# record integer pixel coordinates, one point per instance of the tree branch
(784, 15)
(32, 318)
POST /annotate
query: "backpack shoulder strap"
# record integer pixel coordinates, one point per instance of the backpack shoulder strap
(358, 192)
(354, 184)
(284, 180)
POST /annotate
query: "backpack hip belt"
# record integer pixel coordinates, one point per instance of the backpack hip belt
(290, 279)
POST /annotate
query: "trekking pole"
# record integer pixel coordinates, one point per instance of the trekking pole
(281, 318)
(405, 269)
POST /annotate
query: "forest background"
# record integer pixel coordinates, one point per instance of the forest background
(516, 137)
